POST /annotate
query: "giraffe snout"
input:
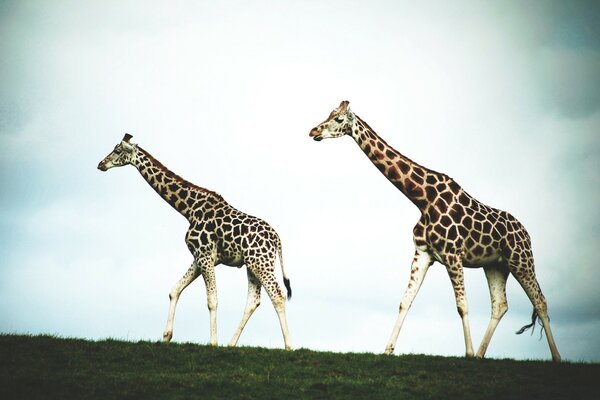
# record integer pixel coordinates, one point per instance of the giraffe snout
(315, 134)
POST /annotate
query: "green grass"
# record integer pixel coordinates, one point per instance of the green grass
(43, 367)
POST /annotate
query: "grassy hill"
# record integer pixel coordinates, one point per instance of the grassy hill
(43, 367)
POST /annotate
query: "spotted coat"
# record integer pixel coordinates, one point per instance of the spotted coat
(454, 229)
(218, 234)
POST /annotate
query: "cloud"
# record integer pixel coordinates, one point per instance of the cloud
(564, 80)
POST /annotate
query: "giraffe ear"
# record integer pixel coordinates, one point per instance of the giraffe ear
(344, 106)
(349, 114)
(125, 143)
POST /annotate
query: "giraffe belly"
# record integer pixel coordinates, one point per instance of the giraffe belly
(471, 258)
(232, 260)
(472, 261)
(231, 256)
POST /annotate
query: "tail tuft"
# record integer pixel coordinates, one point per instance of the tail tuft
(531, 325)
(286, 282)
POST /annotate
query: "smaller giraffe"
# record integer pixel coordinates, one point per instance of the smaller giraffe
(455, 229)
(218, 234)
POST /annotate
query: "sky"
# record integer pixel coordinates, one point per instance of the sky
(502, 96)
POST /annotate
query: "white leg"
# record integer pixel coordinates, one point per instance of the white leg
(456, 273)
(190, 275)
(252, 303)
(208, 273)
(280, 309)
(272, 288)
(496, 277)
(551, 342)
(420, 265)
(532, 288)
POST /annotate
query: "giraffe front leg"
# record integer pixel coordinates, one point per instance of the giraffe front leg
(420, 265)
(208, 273)
(456, 273)
(252, 303)
(190, 275)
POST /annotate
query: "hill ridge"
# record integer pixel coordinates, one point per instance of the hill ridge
(48, 367)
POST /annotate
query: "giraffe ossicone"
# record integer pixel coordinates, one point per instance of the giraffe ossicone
(454, 229)
(218, 234)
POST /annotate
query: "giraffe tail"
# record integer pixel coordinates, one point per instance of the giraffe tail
(534, 317)
(286, 281)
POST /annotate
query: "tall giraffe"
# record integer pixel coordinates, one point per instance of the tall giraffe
(218, 234)
(455, 229)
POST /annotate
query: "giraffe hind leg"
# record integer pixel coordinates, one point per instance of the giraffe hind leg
(522, 269)
(264, 272)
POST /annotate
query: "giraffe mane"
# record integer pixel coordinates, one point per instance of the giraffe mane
(441, 174)
(178, 178)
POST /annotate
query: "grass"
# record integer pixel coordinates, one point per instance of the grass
(44, 367)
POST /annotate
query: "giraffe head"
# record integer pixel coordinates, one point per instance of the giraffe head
(121, 155)
(339, 123)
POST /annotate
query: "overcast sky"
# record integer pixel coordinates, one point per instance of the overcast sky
(504, 98)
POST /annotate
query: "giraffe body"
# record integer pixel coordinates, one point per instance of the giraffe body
(454, 229)
(218, 234)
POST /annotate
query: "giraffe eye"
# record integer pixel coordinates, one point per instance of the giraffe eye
(339, 120)
(118, 150)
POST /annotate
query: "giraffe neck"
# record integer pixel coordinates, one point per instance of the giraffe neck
(416, 182)
(185, 197)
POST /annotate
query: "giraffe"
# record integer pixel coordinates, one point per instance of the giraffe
(218, 234)
(454, 229)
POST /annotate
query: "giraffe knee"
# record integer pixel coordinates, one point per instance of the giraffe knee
(212, 304)
(253, 306)
(539, 304)
(462, 309)
(542, 309)
(499, 309)
(279, 303)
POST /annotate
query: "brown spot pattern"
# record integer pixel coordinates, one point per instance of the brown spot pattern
(218, 233)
